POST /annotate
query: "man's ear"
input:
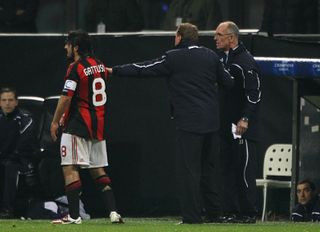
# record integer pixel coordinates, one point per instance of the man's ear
(177, 39)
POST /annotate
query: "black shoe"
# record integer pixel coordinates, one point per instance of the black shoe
(230, 218)
(247, 219)
(217, 219)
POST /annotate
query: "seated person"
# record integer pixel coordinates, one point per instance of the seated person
(17, 145)
(308, 207)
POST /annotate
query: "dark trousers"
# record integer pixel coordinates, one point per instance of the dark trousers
(10, 171)
(197, 173)
(239, 176)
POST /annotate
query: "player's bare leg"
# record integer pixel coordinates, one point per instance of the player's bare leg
(73, 190)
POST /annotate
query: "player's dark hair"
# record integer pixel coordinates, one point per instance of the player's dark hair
(188, 32)
(9, 90)
(81, 39)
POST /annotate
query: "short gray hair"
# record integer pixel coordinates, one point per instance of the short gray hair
(232, 28)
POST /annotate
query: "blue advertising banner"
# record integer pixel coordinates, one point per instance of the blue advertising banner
(289, 67)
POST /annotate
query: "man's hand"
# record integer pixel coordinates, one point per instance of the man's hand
(58, 117)
(54, 130)
(62, 120)
(242, 126)
(109, 70)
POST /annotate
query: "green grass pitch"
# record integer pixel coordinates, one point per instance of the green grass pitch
(152, 225)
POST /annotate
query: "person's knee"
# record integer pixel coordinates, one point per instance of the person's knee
(97, 172)
(103, 183)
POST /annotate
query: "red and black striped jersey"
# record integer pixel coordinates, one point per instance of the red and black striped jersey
(85, 82)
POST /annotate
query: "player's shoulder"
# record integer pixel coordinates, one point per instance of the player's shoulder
(73, 65)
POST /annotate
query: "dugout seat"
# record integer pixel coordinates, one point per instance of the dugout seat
(50, 172)
(277, 164)
(49, 106)
(35, 106)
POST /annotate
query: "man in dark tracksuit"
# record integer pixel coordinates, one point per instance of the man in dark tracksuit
(308, 207)
(240, 107)
(193, 74)
(17, 145)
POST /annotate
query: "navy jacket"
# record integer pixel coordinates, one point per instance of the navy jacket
(193, 74)
(243, 100)
(17, 135)
(307, 212)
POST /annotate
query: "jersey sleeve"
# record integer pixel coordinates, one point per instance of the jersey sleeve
(70, 81)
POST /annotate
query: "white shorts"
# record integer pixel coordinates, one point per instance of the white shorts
(75, 150)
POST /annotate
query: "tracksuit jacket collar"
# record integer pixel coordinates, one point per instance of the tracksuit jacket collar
(185, 44)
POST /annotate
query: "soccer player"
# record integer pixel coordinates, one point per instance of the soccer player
(81, 110)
